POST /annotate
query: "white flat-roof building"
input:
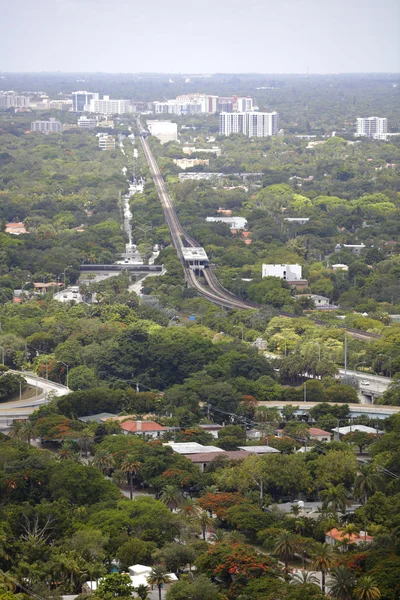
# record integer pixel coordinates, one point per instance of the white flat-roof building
(165, 131)
(252, 124)
(371, 126)
(259, 449)
(233, 222)
(191, 448)
(298, 220)
(287, 272)
(196, 258)
(352, 428)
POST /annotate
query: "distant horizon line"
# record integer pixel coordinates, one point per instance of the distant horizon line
(198, 74)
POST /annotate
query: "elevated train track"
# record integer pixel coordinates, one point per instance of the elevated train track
(215, 292)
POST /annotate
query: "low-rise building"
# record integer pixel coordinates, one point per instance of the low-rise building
(212, 428)
(106, 142)
(165, 131)
(352, 428)
(233, 222)
(335, 536)
(144, 428)
(297, 220)
(87, 123)
(286, 272)
(50, 126)
(15, 228)
(189, 163)
(319, 301)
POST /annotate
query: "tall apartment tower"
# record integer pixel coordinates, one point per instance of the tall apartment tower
(108, 107)
(252, 124)
(371, 126)
(82, 99)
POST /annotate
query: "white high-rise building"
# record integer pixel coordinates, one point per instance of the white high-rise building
(252, 124)
(11, 100)
(82, 99)
(371, 126)
(108, 107)
(244, 104)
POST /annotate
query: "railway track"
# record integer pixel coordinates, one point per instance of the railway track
(215, 292)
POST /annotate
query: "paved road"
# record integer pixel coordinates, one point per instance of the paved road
(21, 409)
(371, 410)
(371, 386)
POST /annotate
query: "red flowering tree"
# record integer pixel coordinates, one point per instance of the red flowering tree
(178, 477)
(220, 502)
(236, 564)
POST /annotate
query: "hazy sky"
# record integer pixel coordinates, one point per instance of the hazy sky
(192, 36)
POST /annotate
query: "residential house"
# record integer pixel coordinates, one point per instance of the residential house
(148, 428)
(338, 536)
(15, 228)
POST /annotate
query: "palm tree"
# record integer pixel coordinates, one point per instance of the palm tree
(324, 558)
(85, 440)
(218, 535)
(28, 430)
(366, 589)
(205, 521)
(103, 460)
(190, 509)
(119, 477)
(15, 431)
(158, 577)
(66, 452)
(286, 545)
(131, 466)
(365, 482)
(341, 583)
(142, 591)
(171, 496)
(303, 577)
(337, 497)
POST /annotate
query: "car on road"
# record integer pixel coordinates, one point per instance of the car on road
(364, 382)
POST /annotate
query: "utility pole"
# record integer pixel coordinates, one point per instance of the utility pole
(305, 391)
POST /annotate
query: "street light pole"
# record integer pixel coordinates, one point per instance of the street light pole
(345, 352)
(2, 354)
(305, 391)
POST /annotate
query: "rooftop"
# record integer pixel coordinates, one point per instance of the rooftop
(192, 448)
(339, 535)
(98, 418)
(194, 253)
(203, 457)
(259, 449)
(316, 431)
(139, 426)
(352, 428)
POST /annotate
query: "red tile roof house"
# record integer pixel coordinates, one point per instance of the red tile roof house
(335, 536)
(145, 428)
